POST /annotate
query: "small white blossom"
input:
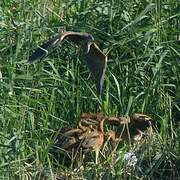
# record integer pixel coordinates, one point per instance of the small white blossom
(130, 158)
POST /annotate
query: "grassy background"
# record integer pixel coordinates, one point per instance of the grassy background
(143, 75)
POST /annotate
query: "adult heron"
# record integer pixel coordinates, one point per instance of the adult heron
(95, 59)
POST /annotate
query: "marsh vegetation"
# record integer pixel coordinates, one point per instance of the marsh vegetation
(142, 41)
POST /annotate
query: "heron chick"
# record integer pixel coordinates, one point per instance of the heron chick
(95, 59)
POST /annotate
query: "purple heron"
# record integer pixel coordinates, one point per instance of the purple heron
(95, 59)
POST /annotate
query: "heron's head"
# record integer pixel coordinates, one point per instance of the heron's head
(86, 38)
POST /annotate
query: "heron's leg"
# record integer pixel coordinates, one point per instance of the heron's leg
(97, 155)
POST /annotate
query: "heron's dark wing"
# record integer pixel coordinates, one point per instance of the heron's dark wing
(49, 46)
(76, 37)
(45, 49)
(96, 61)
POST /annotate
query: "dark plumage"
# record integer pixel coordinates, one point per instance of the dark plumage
(95, 59)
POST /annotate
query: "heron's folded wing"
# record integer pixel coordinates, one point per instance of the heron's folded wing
(96, 61)
(45, 49)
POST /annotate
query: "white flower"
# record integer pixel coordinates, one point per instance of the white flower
(130, 158)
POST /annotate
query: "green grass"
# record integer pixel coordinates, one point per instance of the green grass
(143, 75)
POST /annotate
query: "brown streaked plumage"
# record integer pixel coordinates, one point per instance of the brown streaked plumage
(90, 134)
(68, 139)
(95, 59)
(118, 120)
(94, 139)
